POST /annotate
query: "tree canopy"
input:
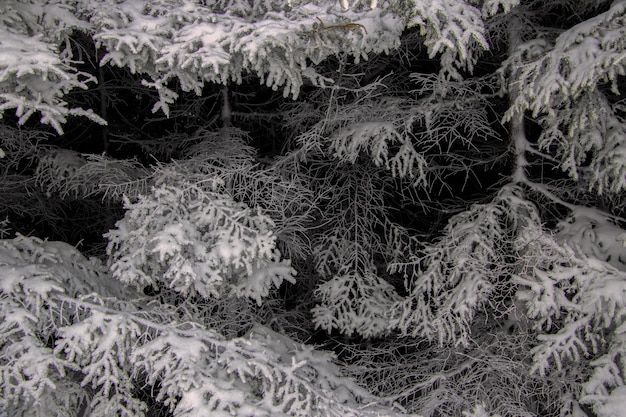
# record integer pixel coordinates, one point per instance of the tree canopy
(313, 208)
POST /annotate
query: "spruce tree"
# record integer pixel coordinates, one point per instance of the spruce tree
(312, 208)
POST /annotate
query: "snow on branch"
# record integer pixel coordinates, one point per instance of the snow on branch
(355, 296)
(355, 299)
(583, 57)
(34, 79)
(281, 42)
(452, 29)
(73, 175)
(590, 125)
(566, 85)
(194, 43)
(451, 278)
(577, 301)
(36, 277)
(382, 128)
(492, 7)
(594, 234)
(198, 43)
(71, 343)
(195, 239)
(262, 373)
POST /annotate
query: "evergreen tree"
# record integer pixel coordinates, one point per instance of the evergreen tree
(435, 190)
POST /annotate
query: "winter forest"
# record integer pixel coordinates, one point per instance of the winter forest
(326, 208)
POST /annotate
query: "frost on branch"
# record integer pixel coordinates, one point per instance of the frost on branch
(36, 281)
(355, 299)
(195, 239)
(590, 125)
(262, 373)
(355, 294)
(35, 74)
(592, 233)
(577, 300)
(198, 42)
(282, 42)
(453, 29)
(99, 345)
(70, 174)
(451, 278)
(193, 43)
(71, 345)
(492, 7)
(568, 85)
(383, 128)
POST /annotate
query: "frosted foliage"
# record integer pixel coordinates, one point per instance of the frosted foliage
(492, 7)
(197, 240)
(289, 202)
(452, 29)
(594, 235)
(382, 128)
(401, 134)
(593, 126)
(35, 74)
(71, 346)
(479, 411)
(614, 405)
(355, 299)
(564, 85)
(260, 374)
(572, 284)
(100, 344)
(578, 305)
(450, 279)
(582, 57)
(280, 41)
(70, 174)
(36, 277)
(197, 43)
(354, 296)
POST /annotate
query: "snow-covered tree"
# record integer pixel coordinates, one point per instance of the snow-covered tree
(434, 189)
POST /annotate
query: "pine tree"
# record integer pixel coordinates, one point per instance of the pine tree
(432, 189)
